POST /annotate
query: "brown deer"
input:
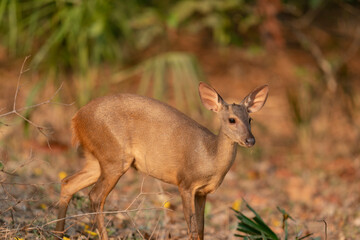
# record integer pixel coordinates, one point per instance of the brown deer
(122, 131)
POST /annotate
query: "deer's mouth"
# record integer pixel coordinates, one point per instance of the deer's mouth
(241, 143)
(245, 144)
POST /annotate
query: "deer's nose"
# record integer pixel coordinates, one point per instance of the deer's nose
(250, 141)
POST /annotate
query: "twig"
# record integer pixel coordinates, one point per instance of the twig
(7, 193)
(127, 211)
(306, 19)
(352, 50)
(28, 184)
(329, 71)
(5, 124)
(50, 100)
(156, 225)
(134, 225)
(12, 173)
(139, 207)
(16, 111)
(12, 206)
(27, 162)
(322, 62)
(325, 226)
(22, 71)
(8, 173)
(90, 214)
(138, 196)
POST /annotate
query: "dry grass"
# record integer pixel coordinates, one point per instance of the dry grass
(311, 170)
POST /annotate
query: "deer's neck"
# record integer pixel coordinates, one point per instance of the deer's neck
(225, 153)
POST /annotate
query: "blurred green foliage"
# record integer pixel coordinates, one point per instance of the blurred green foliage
(255, 228)
(183, 71)
(67, 34)
(76, 35)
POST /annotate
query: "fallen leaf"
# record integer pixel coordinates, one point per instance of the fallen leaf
(91, 233)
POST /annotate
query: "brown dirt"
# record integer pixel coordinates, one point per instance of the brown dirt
(313, 172)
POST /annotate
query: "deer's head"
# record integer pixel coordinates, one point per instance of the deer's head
(234, 118)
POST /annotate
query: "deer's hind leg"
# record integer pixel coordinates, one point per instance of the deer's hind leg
(87, 176)
(111, 171)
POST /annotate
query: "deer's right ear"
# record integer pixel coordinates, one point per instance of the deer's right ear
(256, 99)
(210, 98)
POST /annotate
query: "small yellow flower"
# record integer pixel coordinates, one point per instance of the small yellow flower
(66, 238)
(16, 238)
(276, 223)
(167, 204)
(62, 175)
(236, 205)
(38, 172)
(91, 233)
(43, 206)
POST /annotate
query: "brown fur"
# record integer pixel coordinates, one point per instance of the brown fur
(74, 135)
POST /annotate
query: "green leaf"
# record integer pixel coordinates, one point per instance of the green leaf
(255, 227)
(247, 229)
(315, 3)
(259, 220)
(251, 224)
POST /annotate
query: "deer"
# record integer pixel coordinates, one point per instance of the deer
(123, 131)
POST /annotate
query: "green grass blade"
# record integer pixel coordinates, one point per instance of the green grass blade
(146, 78)
(254, 224)
(13, 26)
(191, 81)
(177, 85)
(245, 221)
(3, 5)
(248, 230)
(259, 220)
(159, 77)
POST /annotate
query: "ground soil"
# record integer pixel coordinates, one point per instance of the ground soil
(310, 170)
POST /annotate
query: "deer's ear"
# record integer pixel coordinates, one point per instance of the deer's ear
(256, 99)
(210, 98)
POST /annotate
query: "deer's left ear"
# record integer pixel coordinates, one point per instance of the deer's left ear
(256, 99)
(210, 98)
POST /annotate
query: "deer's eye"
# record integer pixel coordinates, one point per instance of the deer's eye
(232, 120)
(250, 119)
